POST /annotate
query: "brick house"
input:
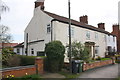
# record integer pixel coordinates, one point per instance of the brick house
(116, 31)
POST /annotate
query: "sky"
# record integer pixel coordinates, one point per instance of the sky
(21, 12)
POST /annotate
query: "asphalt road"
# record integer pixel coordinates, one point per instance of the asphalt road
(111, 71)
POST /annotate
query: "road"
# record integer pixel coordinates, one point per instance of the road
(111, 71)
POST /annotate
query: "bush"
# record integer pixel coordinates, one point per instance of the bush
(80, 52)
(10, 60)
(55, 56)
(14, 61)
(26, 60)
(98, 58)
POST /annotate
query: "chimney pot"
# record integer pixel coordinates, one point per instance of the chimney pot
(84, 19)
(101, 26)
(115, 27)
(39, 3)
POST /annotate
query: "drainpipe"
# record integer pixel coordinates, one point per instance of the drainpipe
(52, 28)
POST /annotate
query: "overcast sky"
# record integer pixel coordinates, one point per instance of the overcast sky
(21, 12)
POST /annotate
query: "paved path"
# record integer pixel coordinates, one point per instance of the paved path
(52, 75)
(110, 71)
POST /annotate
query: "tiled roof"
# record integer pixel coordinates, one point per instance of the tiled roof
(8, 44)
(19, 45)
(74, 22)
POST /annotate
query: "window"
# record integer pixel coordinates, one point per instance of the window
(48, 28)
(32, 51)
(109, 38)
(105, 38)
(96, 50)
(40, 53)
(88, 35)
(72, 31)
(113, 39)
(96, 36)
(18, 50)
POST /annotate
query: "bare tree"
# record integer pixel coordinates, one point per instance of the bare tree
(3, 8)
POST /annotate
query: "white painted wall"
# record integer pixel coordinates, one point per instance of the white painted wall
(80, 35)
(21, 51)
(37, 30)
(111, 42)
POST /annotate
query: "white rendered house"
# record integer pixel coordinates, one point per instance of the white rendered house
(45, 27)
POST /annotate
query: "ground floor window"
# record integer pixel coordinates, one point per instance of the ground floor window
(18, 50)
(40, 53)
(96, 50)
(32, 51)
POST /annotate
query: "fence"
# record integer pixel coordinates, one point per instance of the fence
(24, 70)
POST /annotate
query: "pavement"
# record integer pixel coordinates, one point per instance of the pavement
(52, 75)
(110, 71)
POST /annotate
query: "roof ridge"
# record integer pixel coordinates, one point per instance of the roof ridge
(75, 22)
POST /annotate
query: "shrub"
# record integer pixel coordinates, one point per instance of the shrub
(80, 52)
(10, 60)
(98, 58)
(55, 55)
(26, 60)
(13, 61)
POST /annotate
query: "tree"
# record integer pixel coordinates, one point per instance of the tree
(79, 51)
(55, 55)
(5, 37)
(3, 8)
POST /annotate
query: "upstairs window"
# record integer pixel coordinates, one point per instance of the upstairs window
(113, 39)
(88, 35)
(96, 36)
(105, 38)
(48, 28)
(72, 31)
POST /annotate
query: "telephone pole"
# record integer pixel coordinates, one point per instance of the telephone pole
(70, 59)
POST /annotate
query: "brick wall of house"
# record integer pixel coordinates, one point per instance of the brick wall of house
(116, 31)
(96, 64)
(25, 70)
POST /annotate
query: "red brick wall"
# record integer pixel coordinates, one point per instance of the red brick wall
(38, 68)
(19, 72)
(96, 64)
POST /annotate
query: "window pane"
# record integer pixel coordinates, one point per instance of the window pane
(88, 35)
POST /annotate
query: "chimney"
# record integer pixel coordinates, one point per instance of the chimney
(115, 28)
(40, 3)
(101, 26)
(84, 19)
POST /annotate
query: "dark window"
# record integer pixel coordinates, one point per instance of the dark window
(32, 51)
(18, 50)
(48, 28)
(40, 53)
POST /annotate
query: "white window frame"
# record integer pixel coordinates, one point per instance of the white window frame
(96, 36)
(88, 35)
(48, 28)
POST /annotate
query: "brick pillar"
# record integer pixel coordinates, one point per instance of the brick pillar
(39, 65)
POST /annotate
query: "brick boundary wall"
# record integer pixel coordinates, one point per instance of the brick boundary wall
(24, 70)
(96, 64)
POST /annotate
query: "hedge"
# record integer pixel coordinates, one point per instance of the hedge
(26, 60)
